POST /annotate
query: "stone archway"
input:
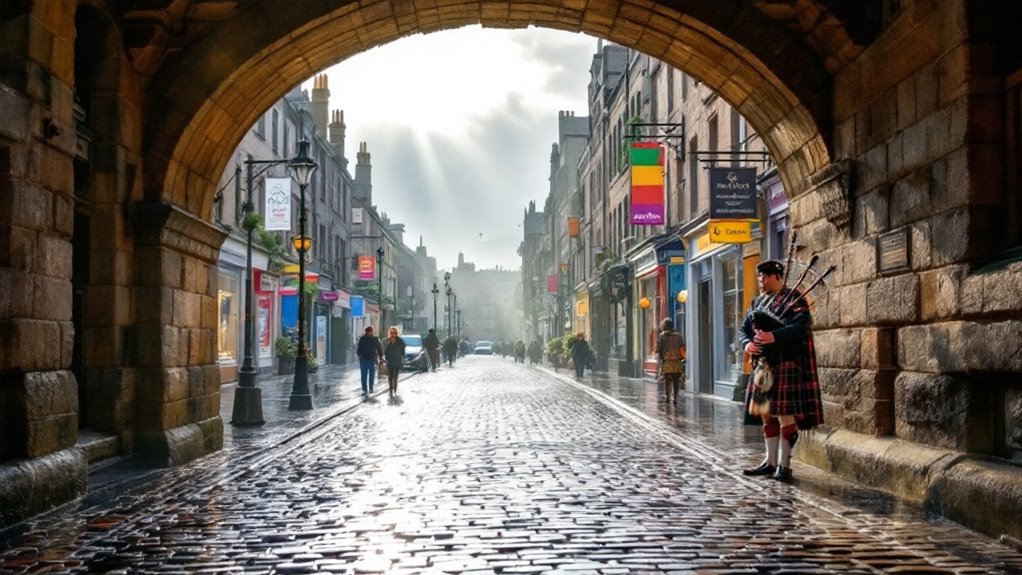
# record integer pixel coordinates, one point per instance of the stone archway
(210, 93)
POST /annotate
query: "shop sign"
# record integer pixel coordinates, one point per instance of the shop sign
(357, 306)
(366, 267)
(267, 283)
(573, 227)
(551, 283)
(733, 194)
(328, 296)
(278, 204)
(647, 183)
(343, 299)
(730, 232)
(644, 262)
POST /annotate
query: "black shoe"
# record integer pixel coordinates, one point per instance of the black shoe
(762, 469)
(783, 473)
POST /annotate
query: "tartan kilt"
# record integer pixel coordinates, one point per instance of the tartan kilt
(786, 394)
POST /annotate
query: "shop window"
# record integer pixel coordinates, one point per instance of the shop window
(230, 302)
(731, 268)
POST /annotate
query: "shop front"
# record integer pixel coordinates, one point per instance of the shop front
(266, 298)
(715, 301)
(340, 328)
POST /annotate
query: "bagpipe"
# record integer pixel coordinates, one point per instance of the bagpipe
(774, 313)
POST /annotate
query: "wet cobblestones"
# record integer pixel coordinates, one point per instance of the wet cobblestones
(491, 467)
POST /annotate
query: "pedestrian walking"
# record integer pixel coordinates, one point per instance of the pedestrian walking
(450, 350)
(670, 349)
(393, 354)
(580, 354)
(432, 344)
(535, 351)
(785, 386)
(370, 354)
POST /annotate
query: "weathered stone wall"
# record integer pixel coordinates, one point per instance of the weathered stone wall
(39, 464)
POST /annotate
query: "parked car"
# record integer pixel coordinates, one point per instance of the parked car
(483, 347)
(415, 354)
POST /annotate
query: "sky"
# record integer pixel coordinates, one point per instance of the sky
(460, 125)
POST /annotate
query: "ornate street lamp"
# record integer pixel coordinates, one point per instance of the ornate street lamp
(435, 291)
(379, 273)
(302, 167)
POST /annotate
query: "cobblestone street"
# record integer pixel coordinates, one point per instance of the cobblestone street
(496, 467)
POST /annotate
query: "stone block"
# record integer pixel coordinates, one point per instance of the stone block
(52, 298)
(939, 292)
(943, 411)
(910, 198)
(15, 111)
(906, 103)
(836, 384)
(155, 305)
(1002, 290)
(176, 384)
(63, 217)
(920, 245)
(858, 262)
(187, 309)
(104, 345)
(174, 414)
(994, 346)
(893, 300)
(956, 241)
(878, 348)
(52, 433)
(35, 345)
(49, 393)
(29, 487)
(873, 212)
(837, 348)
(924, 348)
(986, 495)
(872, 170)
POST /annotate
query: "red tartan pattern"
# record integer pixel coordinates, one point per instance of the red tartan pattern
(796, 388)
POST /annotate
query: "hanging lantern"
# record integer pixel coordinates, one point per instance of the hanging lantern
(644, 303)
(682, 296)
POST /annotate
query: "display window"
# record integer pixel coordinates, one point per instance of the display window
(229, 305)
(733, 314)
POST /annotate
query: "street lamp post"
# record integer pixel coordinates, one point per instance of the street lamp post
(379, 273)
(248, 399)
(447, 310)
(302, 167)
(435, 291)
(458, 323)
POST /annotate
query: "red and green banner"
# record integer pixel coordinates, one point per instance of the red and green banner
(647, 171)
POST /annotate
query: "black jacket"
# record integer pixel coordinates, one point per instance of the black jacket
(369, 347)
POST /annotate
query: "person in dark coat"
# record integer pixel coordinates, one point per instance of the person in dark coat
(785, 356)
(432, 344)
(580, 354)
(370, 353)
(394, 354)
(450, 349)
(670, 349)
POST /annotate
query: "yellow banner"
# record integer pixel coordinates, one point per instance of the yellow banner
(730, 231)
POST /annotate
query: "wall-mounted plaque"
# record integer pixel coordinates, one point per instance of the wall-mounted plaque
(893, 251)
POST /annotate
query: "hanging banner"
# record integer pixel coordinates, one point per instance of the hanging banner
(366, 268)
(357, 306)
(278, 204)
(551, 283)
(647, 172)
(733, 194)
(573, 227)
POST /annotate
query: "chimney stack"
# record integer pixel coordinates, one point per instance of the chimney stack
(364, 173)
(320, 103)
(337, 131)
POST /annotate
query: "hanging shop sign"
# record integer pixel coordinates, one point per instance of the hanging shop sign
(366, 267)
(573, 227)
(551, 283)
(647, 192)
(730, 232)
(733, 194)
(357, 306)
(278, 204)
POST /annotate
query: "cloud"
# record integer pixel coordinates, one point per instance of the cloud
(460, 126)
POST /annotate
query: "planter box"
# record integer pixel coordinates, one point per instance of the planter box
(285, 365)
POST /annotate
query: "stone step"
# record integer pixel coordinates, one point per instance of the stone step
(99, 447)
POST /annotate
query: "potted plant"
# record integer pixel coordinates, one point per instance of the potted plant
(286, 349)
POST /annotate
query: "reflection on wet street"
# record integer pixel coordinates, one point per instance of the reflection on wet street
(497, 467)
